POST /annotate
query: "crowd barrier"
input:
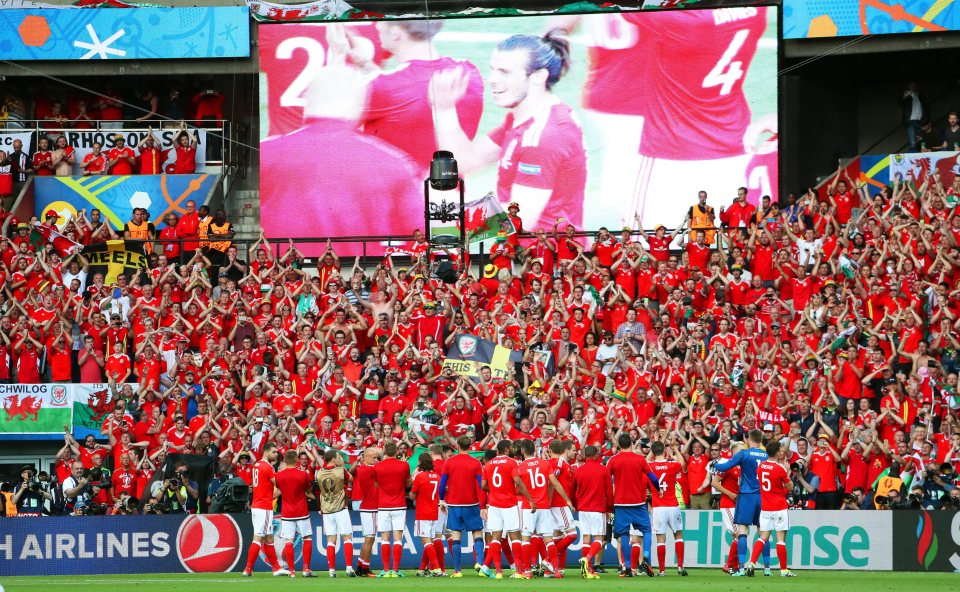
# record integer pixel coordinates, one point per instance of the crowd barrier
(878, 541)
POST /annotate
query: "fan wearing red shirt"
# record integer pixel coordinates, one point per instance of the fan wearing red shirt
(124, 478)
(94, 163)
(261, 512)
(593, 490)
(294, 486)
(501, 483)
(188, 229)
(774, 485)
(186, 163)
(666, 507)
(631, 478)
(120, 158)
(43, 159)
(699, 251)
(392, 476)
(823, 464)
(425, 493)
(460, 481)
(536, 528)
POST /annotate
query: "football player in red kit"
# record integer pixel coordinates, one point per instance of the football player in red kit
(295, 487)
(774, 517)
(393, 477)
(593, 488)
(365, 481)
(536, 527)
(539, 145)
(666, 506)
(425, 493)
(261, 512)
(503, 487)
(562, 452)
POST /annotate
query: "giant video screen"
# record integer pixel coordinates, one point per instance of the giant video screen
(592, 120)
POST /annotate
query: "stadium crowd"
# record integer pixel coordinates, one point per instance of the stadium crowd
(830, 325)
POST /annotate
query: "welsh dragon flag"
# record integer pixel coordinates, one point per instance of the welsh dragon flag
(32, 411)
(483, 217)
(63, 245)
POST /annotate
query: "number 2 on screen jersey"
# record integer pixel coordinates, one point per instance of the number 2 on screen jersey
(316, 56)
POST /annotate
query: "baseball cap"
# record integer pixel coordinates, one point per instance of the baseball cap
(768, 427)
(513, 205)
(52, 214)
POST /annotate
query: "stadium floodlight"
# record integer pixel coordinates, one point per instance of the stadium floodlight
(444, 175)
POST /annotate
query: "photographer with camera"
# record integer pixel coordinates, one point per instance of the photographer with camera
(77, 490)
(853, 500)
(125, 505)
(28, 495)
(805, 485)
(178, 494)
(935, 485)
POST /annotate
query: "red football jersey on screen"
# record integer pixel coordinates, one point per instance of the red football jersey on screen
(399, 110)
(544, 152)
(696, 109)
(617, 79)
(288, 54)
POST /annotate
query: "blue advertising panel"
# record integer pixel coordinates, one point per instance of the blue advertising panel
(845, 18)
(212, 543)
(116, 195)
(127, 34)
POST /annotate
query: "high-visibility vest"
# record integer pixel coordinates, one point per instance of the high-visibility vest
(701, 220)
(141, 232)
(10, 508)
(223, 245)
(203, 230)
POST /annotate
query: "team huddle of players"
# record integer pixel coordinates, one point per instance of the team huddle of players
(516, 505)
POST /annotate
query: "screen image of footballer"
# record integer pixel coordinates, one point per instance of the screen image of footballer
(592, 119)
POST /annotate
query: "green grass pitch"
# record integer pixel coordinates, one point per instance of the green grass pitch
(822, 581)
